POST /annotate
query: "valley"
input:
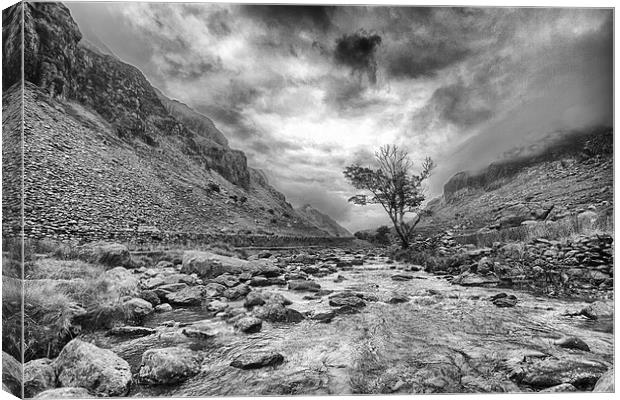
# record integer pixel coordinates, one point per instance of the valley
(145, 256)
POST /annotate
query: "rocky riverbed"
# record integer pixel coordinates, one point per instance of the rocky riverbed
(337, 322)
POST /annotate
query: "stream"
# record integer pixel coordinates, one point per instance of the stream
(444, 338)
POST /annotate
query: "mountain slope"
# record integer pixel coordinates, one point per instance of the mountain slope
(322, 221)
(562, 175)
(104, 157)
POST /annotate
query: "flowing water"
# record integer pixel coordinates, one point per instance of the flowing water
(446, 338)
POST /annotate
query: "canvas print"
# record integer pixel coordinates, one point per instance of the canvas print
(222, 199)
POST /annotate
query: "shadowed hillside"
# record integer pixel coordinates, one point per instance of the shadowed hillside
(106, 154)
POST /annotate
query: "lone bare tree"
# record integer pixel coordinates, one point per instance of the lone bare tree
(394, 186)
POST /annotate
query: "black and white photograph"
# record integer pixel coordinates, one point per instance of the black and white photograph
(212, 199)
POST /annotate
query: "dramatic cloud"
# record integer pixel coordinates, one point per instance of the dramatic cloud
(305, 91)
(358, 52)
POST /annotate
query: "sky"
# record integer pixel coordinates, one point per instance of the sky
(305, 91)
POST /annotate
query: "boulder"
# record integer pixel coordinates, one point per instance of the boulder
(214, 289)
(324, 316)
(237, 292)
(253, 299)
(163, 307)
(64, 393)
(108, 254)
(39, 376)
(168, 365)
(102, 372)
(210, 265)
(227, 280)
(505, 301)
(150, 296)
(346, 299)
(275, 312)
(267, 270)
(484, 266)
(257, 360)
(12, 374)
(189, 296)
(163, 290)
(164, 264)
(216, 306)
(470, 279)
(137, 308)
(309, 286)
(272, 297)
(152, 283)
(605, 383)
(249, 324)
(180, 278)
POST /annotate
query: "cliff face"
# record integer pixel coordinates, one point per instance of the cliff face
(104, 152)
(58, 64)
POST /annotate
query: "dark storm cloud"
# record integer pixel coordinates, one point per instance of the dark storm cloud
(453, 103)
(358, 51)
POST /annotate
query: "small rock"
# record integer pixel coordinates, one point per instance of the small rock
(163, 307)
(259, 281)
(189, 296)
(216, 306)
(324, 317)
(398, 298)
(506, 301)
(402, 277)
(253, 299)
(249, 325)
(237, 292)
(257, 360)
(168, 365)
(300, 285)
(130, 331)
(346, 299)
(572, 342)
(137, 308)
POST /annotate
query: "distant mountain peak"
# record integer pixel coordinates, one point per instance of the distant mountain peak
(322, 221)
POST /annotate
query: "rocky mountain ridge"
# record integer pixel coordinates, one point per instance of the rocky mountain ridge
(105, 152)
